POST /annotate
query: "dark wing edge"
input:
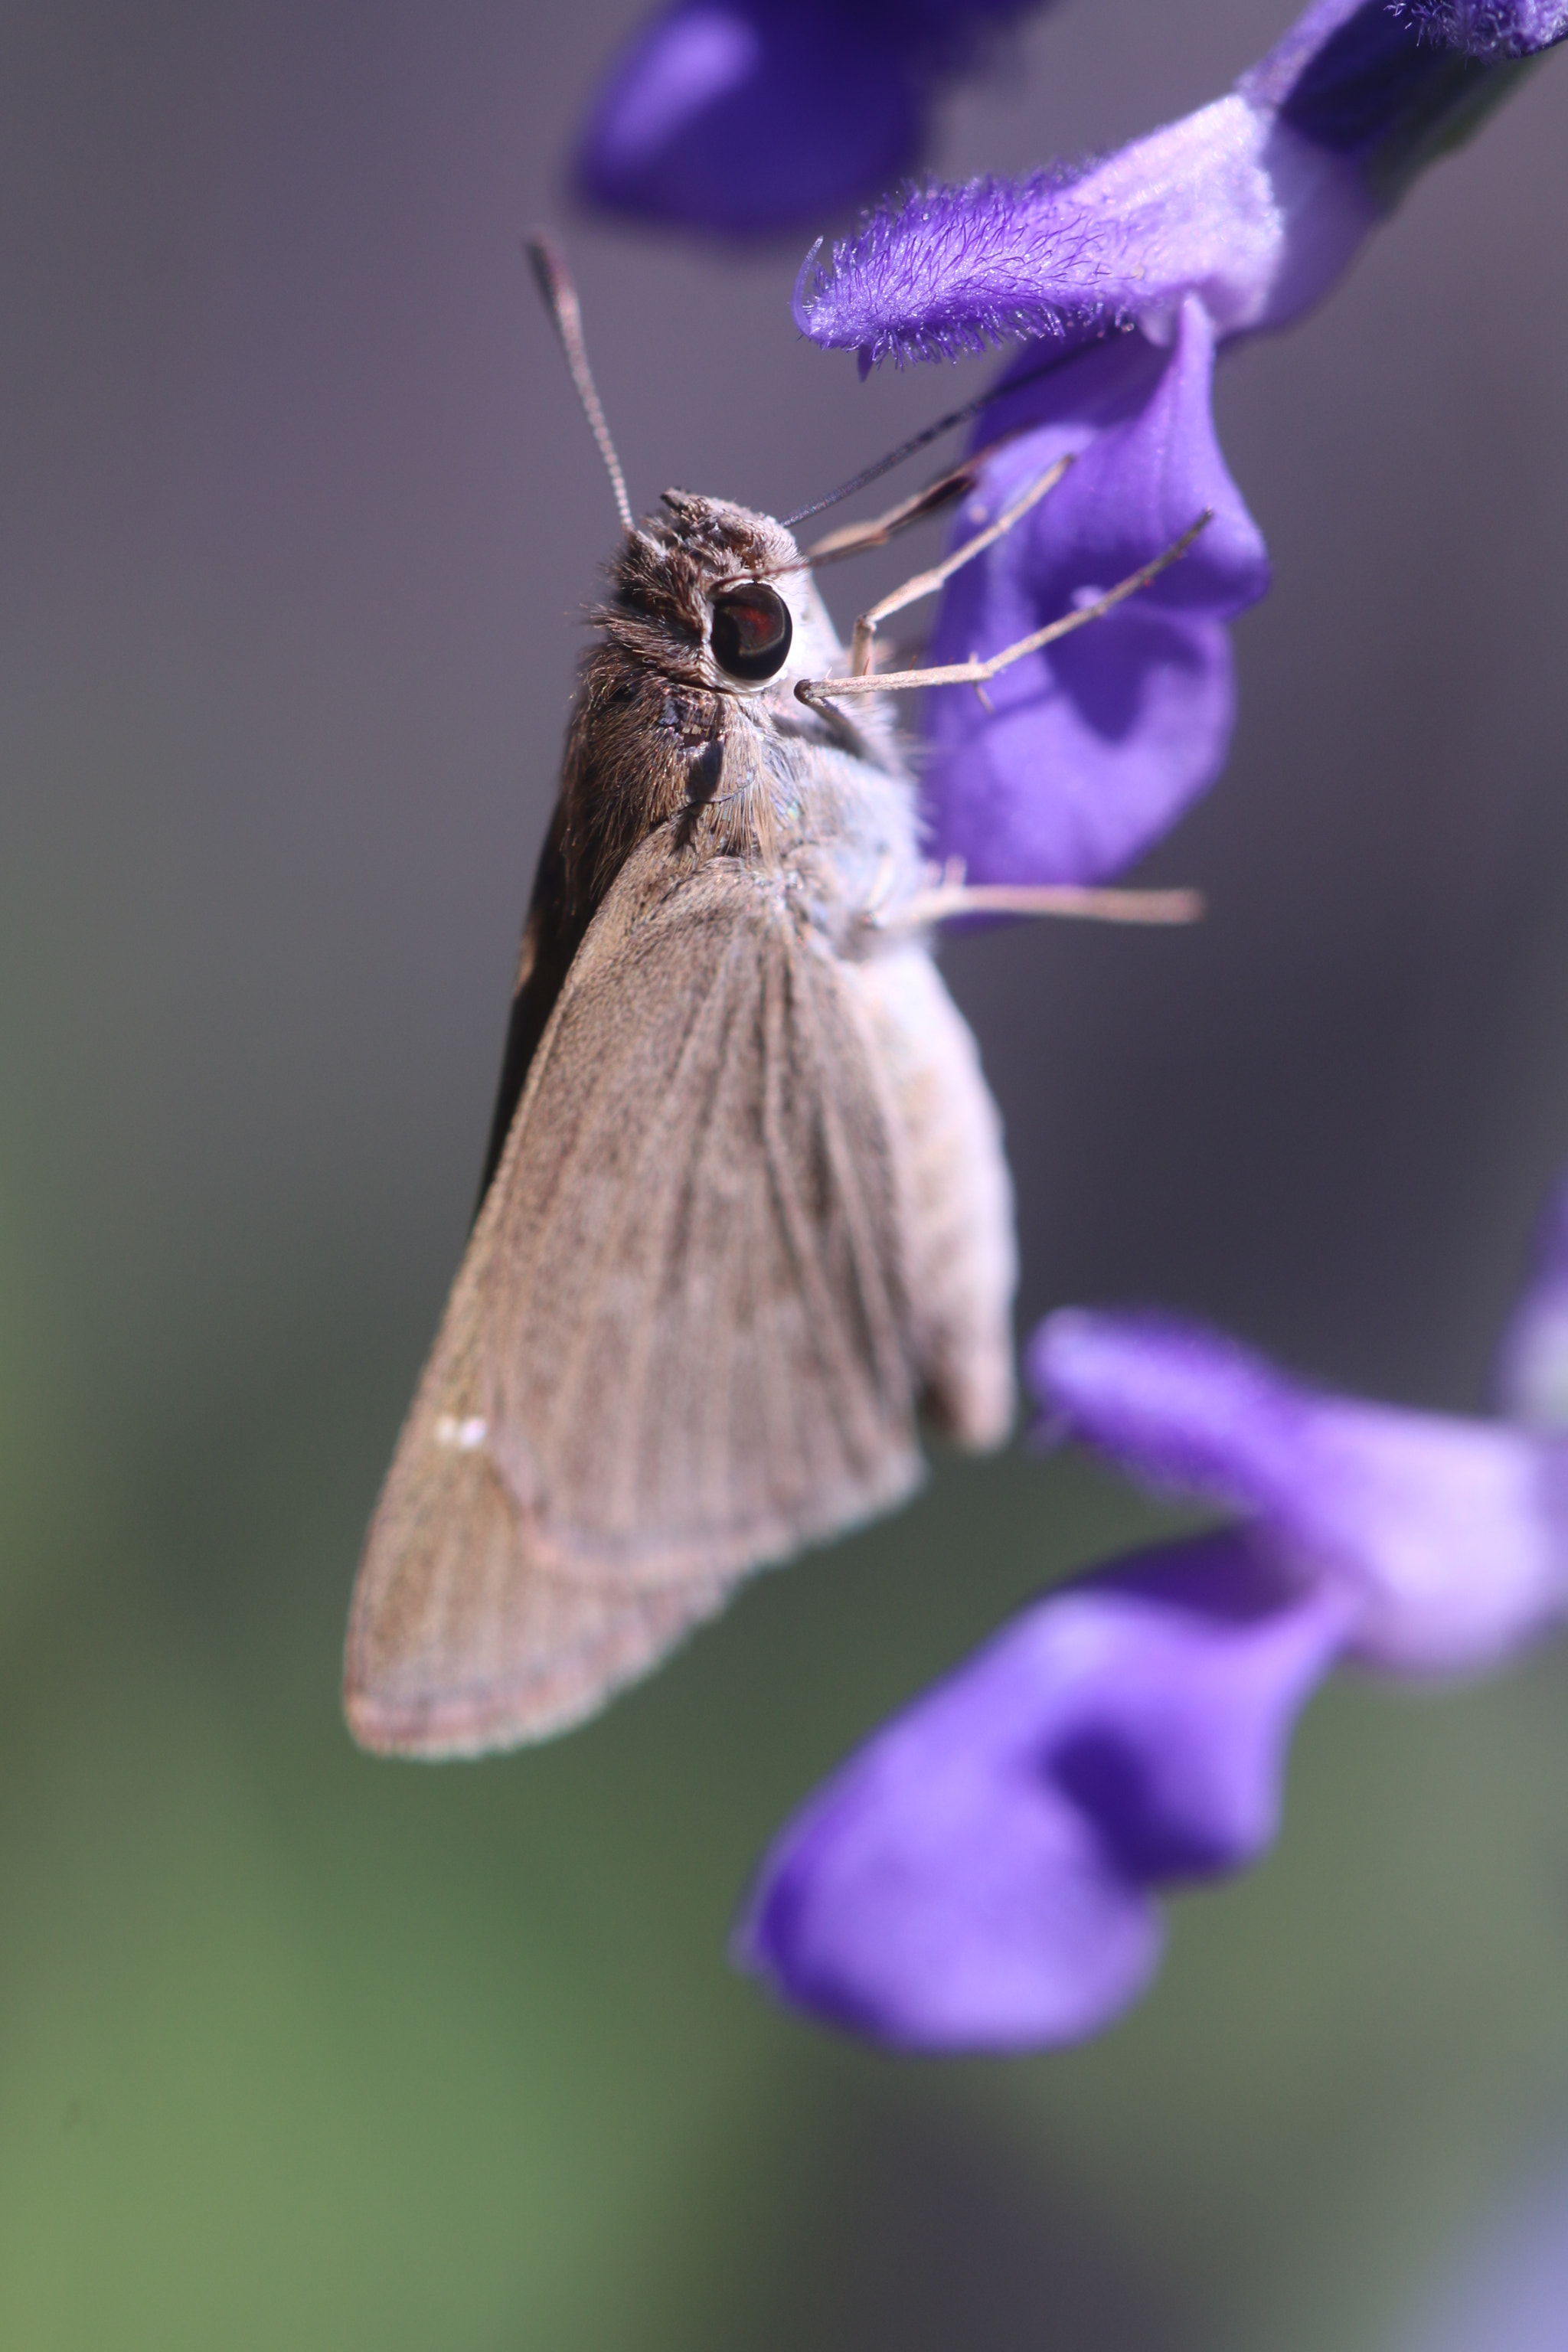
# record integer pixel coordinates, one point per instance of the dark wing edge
(552, 936)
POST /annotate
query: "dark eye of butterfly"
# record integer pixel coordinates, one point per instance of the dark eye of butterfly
(751, 630)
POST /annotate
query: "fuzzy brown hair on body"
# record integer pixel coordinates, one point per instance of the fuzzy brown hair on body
(645, 743)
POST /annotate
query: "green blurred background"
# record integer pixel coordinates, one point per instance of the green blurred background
(301, 2049)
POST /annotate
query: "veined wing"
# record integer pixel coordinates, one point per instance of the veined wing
(679, 1344)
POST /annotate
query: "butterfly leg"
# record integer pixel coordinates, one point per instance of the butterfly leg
(976, 672)
(944, 901)
(926, 583)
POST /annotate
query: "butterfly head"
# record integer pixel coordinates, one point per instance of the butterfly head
(715, 595)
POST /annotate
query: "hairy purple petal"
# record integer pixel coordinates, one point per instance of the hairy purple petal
(1350, 72)
(980, 1875)
(1451, 1535)
(1226, 204)
(745, 116)
(1092, 748)
(956, 269)
(1255, 203)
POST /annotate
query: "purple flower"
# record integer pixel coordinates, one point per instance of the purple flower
(1529, 1377)
(1489, 28)
(1255, 203)
(985, 1873)
(1131, 273)
(1447, 1538)
(748, 115)
(981, 1874)
(745, 116)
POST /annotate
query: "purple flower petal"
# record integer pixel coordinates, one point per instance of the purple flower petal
(980, 1875)
(1095, 749)
(1255, 203)
(1450, 1535)
(1136, 415)
(1092, 749)
(1489, 28)
(1226, 204)
(1529, 1379)
(745, 116)
(1354, 77)
(952, 270)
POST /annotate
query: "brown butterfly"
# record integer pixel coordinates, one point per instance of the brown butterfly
(745, 1222)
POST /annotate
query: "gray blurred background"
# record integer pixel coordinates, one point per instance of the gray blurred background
(297, 521)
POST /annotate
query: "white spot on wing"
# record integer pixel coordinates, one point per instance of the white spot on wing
(464, 1435)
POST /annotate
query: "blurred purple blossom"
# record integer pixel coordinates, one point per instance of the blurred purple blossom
(1447, 1537)
(981, 1875)
(1138, 268)
(1529, 1377)
(1490, 29)
(744, 117)
(985, 1871)
(1504, 2287)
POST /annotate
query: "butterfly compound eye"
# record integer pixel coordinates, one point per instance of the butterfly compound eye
(752, 631)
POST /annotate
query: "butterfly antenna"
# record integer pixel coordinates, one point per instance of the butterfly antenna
(559, 296)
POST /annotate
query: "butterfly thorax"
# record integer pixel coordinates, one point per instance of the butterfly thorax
(663, 734)
(665, 739)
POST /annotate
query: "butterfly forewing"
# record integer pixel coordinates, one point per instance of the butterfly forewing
(679, 1344)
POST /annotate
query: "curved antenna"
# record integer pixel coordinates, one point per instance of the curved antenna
(919, 441)
(559, 295)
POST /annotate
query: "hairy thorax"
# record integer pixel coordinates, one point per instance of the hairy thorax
(661, 734)
(820, 807)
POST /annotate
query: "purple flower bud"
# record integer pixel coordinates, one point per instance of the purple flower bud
(745, 116)
(981, 1875)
